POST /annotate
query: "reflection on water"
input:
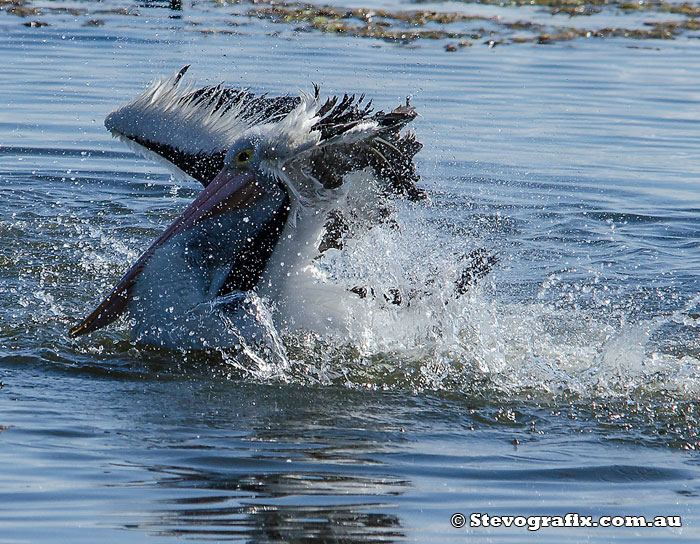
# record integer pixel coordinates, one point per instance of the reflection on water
(271, 517)
(290, 480)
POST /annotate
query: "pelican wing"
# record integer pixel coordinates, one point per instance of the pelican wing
(353, 138)
(191, 129)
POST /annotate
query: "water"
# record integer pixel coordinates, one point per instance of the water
(567, 382)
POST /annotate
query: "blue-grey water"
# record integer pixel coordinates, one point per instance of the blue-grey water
(567, 382)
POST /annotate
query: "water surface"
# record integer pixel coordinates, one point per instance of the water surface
(567, 382)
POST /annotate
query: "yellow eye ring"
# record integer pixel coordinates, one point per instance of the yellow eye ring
(243, 157)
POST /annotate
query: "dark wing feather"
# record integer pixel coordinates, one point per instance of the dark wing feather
(389, 153)
(334, 118)
(192, 130)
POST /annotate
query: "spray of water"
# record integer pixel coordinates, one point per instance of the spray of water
(491, 339)
(480, 341)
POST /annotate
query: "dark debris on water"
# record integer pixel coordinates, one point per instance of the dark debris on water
(409, 26)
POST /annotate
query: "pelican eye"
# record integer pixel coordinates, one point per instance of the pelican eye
(243, 157)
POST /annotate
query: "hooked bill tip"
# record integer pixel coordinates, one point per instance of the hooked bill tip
(76, 330)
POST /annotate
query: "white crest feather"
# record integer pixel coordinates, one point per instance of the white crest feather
(289, 140)
(292, 136)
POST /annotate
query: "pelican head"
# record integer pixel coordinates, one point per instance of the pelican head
(233, 224)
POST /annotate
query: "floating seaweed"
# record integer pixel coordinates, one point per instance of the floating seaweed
(457, 30)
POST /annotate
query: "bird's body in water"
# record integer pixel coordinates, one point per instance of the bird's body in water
(285, 179)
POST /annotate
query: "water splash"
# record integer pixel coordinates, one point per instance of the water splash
(572, 333)
(482, 341)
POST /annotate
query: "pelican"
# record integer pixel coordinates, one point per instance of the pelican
(283, 179)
